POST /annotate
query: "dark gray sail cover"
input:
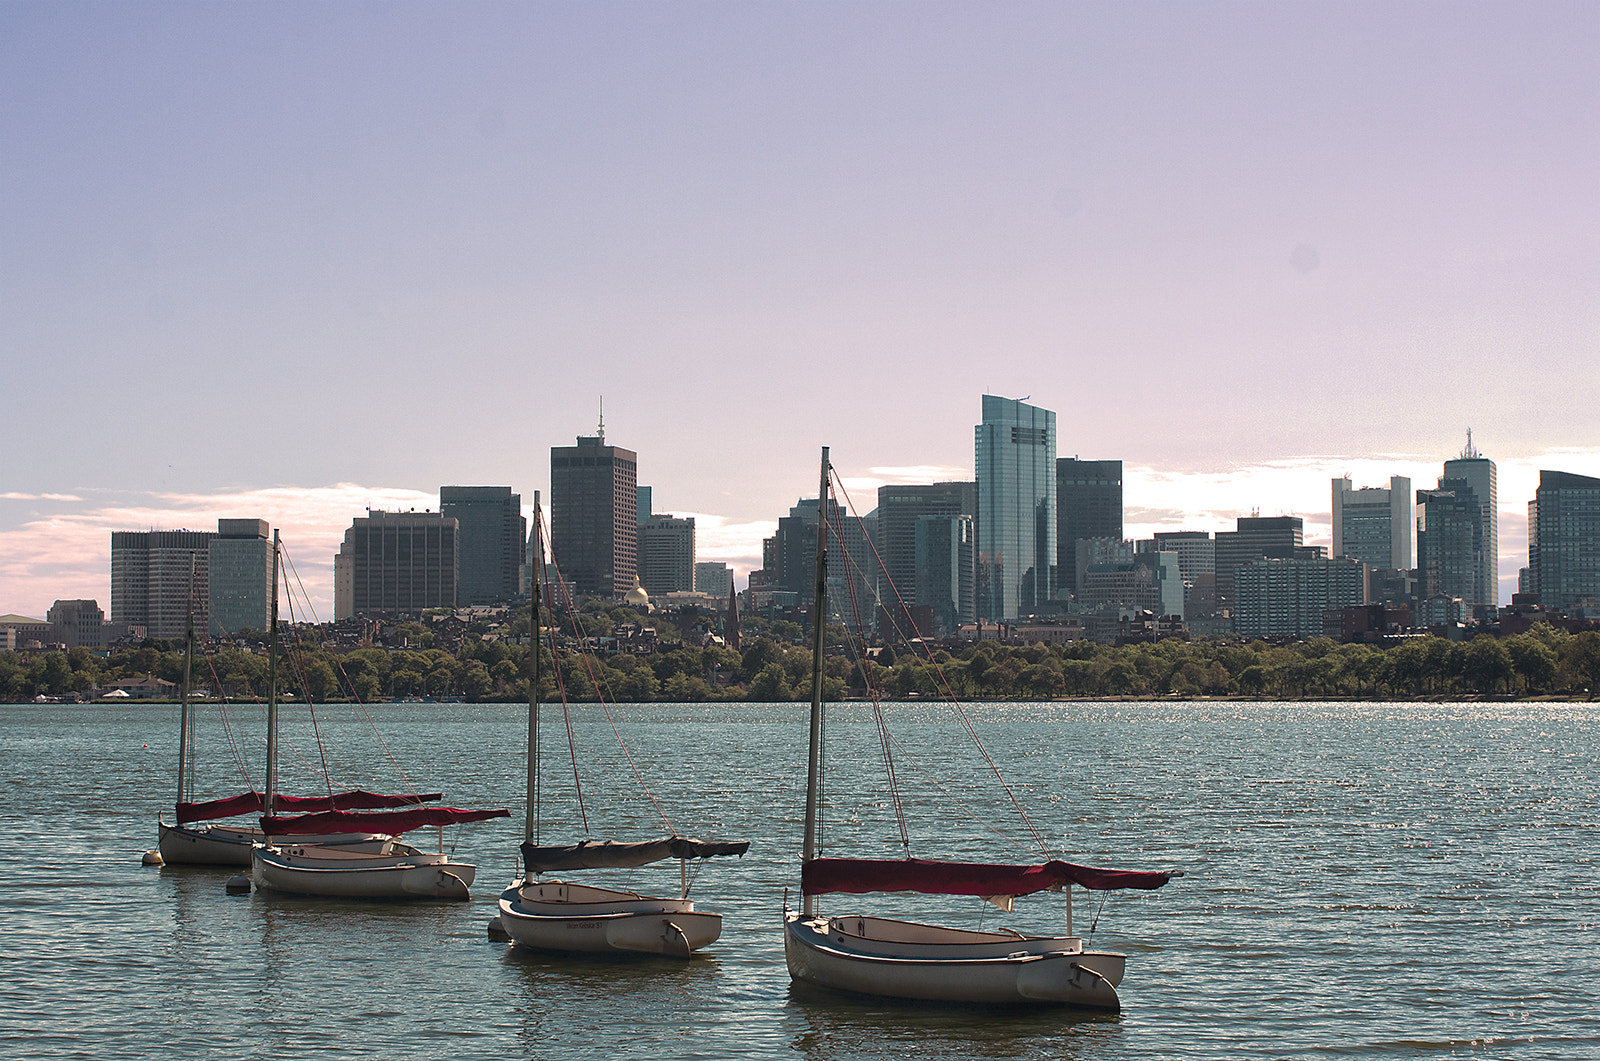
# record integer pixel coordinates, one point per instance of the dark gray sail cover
(615, 854)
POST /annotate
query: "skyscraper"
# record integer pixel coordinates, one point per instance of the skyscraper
(156, 576)
(594, 524)
(1450, 541)
(1197, 564)
(1286, 597)
(1088, 505)
(666, 554)
(790, 559)
(395, 563)
(1372, 524)
(493, 541)
(1479, 474)
(901, 508)
(1015, 455)
(240, 576)
(78, 623)
(1564, 541)
(1256, 538)
(713, 577)
(944, 571)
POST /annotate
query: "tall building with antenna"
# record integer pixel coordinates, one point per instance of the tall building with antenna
(1479, 474)
(594, 521)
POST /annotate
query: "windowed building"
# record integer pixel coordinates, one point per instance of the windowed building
(1015, 451)
(594, 521)
(396, 563)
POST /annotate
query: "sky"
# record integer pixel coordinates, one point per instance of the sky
(293, 260)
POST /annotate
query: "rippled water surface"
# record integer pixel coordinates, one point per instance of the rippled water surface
(1362, 880)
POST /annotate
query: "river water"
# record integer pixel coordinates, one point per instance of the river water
(1361, 880)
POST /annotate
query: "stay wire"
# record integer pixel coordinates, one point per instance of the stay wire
(953, 702)
(851, 571)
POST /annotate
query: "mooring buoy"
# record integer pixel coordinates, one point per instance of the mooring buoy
(151, 858)
(238, 885)
(497, 931)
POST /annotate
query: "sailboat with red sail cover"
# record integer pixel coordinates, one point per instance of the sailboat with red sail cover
(340, 844)
(201, 836)
(867, 954)
(295, 861)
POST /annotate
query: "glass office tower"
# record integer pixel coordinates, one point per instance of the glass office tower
(1016, 528)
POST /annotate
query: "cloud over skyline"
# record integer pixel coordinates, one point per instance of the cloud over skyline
(62, 551)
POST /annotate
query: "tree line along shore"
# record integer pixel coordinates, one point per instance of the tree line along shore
(489, 665)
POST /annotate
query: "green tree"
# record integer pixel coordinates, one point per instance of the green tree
(1122, 678)
(13, 676)
(1534, 662)
(1044, 682)
(686, 689)
(1253, 680)
(320, 679)
(1581, 660)
(771, 685)
(476, 681)
(634, 685)
(758, 657)
(1486, 664)
(1406, 666)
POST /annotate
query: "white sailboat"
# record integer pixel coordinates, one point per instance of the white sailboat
(873, 955)
(558, 915)
(197, 838)
(298, 860)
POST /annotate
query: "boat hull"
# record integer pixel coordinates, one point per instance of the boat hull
(343, 873)
(554, 915)
(222, 845)
(893, 959)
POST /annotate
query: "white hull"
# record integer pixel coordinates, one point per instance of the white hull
(554, 915)
(401, 873)
(224, 845)
(900, 959)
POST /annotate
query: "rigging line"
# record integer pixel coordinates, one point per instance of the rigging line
(852, 572)
(883, 570)
(372, 725)
(600, 695)
(227, 728)
(561, 687)
(297, 659)
(982, 821)
(961, 714)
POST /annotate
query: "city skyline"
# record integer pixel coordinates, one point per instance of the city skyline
(288, 261)
(66, 555)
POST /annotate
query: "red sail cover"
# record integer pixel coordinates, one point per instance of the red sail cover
(857, 875)
(392, 822)
(251, 803)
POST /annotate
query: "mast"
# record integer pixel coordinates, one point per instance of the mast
(819, 621)
(185, 719)
(271, 780)
(530, 827)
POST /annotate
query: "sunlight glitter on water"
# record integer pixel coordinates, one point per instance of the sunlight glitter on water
(1362, 880)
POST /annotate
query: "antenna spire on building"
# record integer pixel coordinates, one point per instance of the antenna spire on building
(602, 419)
(1470, 453)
